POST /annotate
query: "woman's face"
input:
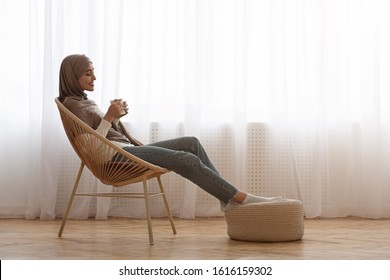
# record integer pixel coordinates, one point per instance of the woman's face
(86, 81)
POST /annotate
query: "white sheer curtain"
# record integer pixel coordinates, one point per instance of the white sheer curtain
(289, 98)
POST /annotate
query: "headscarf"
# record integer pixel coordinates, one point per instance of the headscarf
(72, 68)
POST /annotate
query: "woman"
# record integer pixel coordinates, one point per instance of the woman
(185, 156)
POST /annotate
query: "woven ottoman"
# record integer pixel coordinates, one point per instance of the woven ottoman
(273, 221)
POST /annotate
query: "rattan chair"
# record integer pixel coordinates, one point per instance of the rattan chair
(111, 165)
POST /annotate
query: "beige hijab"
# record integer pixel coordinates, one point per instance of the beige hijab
(72, 68)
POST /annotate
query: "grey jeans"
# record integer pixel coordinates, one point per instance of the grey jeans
(186, 157)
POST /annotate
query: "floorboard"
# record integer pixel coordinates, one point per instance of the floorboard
(201, 238)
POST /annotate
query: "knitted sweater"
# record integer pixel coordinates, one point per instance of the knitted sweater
(89, 112)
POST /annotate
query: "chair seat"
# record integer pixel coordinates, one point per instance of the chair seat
(274, 221)
(119, 172)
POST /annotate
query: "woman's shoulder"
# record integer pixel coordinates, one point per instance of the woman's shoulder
(78, 101)
(74, 103)
(85, 109)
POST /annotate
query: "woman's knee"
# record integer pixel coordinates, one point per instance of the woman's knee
(195, 144)
(191, 139)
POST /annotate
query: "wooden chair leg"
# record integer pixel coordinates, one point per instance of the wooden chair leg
(148, 213)
(166, 204)
(71, 199)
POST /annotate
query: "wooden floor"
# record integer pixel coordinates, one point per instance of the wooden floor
(202, 238)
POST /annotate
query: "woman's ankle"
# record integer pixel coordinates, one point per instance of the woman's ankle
(239, 197)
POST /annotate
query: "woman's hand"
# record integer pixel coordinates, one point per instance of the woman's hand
(125, 107)
(117, 109)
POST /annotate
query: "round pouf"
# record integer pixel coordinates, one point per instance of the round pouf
(273, 221)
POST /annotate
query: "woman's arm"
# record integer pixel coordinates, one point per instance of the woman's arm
(113, 114)
(103, 127)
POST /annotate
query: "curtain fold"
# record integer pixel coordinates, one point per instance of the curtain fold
(289, 98)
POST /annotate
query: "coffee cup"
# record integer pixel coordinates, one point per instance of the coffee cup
(122, 111)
